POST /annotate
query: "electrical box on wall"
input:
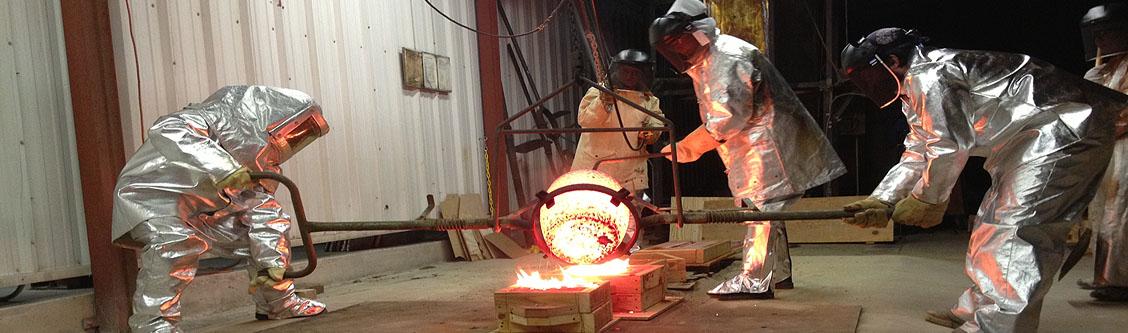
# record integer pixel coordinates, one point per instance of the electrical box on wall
(425, 71)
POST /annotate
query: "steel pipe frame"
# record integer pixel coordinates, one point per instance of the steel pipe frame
(504, 129)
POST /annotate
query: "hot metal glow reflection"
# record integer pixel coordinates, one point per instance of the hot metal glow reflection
(582, 226)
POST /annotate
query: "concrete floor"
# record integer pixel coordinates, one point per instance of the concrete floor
(893, 283)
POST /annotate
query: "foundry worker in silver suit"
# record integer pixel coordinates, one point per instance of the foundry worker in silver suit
(770, 144)
(1105, 33)
(1046, 134)
(188, 191)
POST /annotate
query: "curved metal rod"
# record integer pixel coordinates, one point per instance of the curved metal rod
(627, 158)
(303, 224)
(14, 293)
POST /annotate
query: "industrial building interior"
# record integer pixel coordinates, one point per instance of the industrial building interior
(563, 166)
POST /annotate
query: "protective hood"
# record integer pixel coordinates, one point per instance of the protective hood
(1104, 31)
(632, 70)
(862, 63)
(684, 34)
(290, 118)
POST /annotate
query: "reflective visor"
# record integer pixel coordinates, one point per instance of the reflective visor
(876, 81)
(632, 77)
(679, 50)
(298, 133)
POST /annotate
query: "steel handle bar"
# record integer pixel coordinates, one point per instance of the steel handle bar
(306, 227)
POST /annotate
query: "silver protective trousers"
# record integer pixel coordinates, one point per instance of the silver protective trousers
(764, 262)
(172, 251)
(1109, 229)
(1019, 239)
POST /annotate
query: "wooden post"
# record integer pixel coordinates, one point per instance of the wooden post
(93, 88)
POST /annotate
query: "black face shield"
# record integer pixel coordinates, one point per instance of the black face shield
(873, 77)
(862, 63)
(1104, 31)
(675, 37)
(632, 70)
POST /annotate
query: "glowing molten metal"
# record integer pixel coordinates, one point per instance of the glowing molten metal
(585, 226)
(576, 276)
(535, 281)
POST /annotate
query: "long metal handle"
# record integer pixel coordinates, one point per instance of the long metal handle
(303, 223)
(708, 217)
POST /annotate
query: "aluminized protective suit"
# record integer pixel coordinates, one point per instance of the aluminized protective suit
(1047, 136)
(597, 146)
(770, 144)
(167, 200)
(1111, 201)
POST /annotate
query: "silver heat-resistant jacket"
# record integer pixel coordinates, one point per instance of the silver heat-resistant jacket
(1047, 136)
(1109, 210)
(174, 172)
(166, 198)
(771, 145)
(970, 103)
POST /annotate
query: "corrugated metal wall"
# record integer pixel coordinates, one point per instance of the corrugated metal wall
(42, 232)
(389, 146)
(552, 59)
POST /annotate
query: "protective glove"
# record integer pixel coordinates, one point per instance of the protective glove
(647, 137)
(868, 213)
(266, 278)
(606, 99)
(240, 179)
(693, 146)
(912, 211)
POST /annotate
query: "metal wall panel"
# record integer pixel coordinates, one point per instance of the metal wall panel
(552, 59)
(388, 147)
(42, 231)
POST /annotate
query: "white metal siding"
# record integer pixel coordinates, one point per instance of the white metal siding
(388, 147)
(552, 63)
(42, 232)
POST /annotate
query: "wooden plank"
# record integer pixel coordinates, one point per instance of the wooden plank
(545, 311)
(693, 252)
(470, 206)
(506, 245)
(637, 302)
(692, 232)
(599, 319)
(637, 279)
(675, 267)
(651, 312)
(564, 310)
(448, 208)
(709, 266)
(586, 299)
(561, 319)
(832, 231)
